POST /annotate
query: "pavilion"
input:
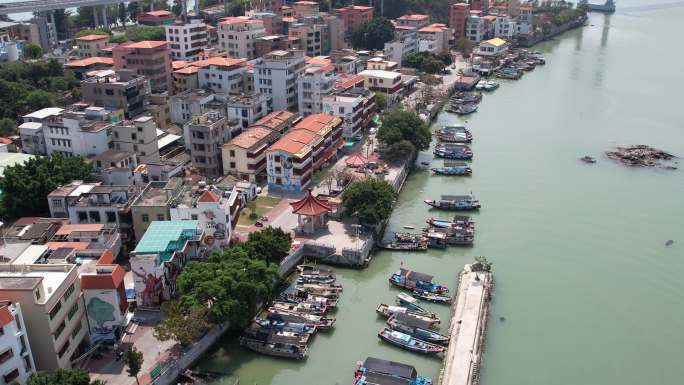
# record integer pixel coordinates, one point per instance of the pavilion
(310, 211)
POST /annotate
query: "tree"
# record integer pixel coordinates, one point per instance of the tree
(133, 11)
(146, 33)
(118, 39)
(183, 326)
(33, 51)
(133, 358)
(373, 34)
(398, 125)
(62, 22)
(63, 377)
(8, 127)
(481, 264)
(122, 14)
(270, 244)
(381, 100)
(177, 7)
(428, 61)
(398, 152)
(370, 201)
(39, 99)
(92, 31)
(25, 187)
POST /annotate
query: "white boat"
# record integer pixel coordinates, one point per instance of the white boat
(481, 85)
(491, 85)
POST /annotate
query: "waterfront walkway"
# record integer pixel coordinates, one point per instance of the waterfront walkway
(463, 357)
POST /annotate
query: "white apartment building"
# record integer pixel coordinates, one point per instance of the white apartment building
(404, 44)
(80, 131)
(31, 131)
(212, 212)
(187, 40)
(505, 27)
(315, 82)
(276, 75)
(434, 38)
(238, 35)
(222, 75)
(245, 110)
(189, 103)
(353, 106)
(16, 358)
(53, 311)
(138, 136)
(311, 37)
(475, 28)
(387, 82)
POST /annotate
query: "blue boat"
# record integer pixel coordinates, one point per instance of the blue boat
(425, 334)
(451, 168)
(409, 343)
(276, 325)
(407, 301)
(413, 280)
(457, 153)
(376, 371)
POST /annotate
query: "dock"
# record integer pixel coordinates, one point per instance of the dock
(463, 358)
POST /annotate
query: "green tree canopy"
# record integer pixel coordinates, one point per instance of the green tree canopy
(118, 39)
(182, 325)
(8, 127)
(133, 358)
(373, 34)
(398, 125)
(398, 151)
(370, 201)
(33, 51)
(380, 101)
(429, 62)
(63, 377)
(90, 31)
(270, 244)
(146, 33)
(464, 46)
(25, 187)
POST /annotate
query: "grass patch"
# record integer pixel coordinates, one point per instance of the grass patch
(261, 205)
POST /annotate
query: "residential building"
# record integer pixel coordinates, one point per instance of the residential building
(81, 67)
(276, 76)
(265, 5)
(475, 27)
(189, 103)
(387, 82)
(270, 43)
(156, 18)
(434, 38)
(245, 155)
(159, 258)
(354, 107)
(153, 204)
(289, 161)
(158, 108)
(151, 59)
(16, 357)
(100, 237)
(404, 44)
(90, 45)
(305, 9)
(329, 129)
(211, 210)
(37, 31)
(187, 40)
(243, 111)
(138, 136)
(53, 312)
(273, 22)
(316, 81)
(505, 27)
(81, 130)
(458, 14)
(311, 37)
(223, 75)
(335, 34)
(114, 168)
(415, 21)
(237, 36)
(492, 47)
(185, 79)
(279, 121)
(204, 136)
(345, 61)
(378, 63)
(116, 90)
(479, 5)
(355, 15)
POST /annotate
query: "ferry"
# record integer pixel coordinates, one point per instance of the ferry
(409, 343)
(413, 280)
(455, 203)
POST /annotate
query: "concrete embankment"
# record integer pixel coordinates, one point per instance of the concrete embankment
(467, 330)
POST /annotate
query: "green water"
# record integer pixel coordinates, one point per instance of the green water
(589, 292)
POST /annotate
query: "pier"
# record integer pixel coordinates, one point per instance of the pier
(463, 358)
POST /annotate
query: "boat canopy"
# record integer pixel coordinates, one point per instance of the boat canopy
(415, 276)
(377, 365)
(413, 322)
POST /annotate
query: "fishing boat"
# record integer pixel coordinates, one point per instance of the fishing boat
(409, 343)
(320, 322)
(301, 296)
(405, 246)
(282, 336)
(436, 240)
(376, 371)
(490, 85)
(463, 109)
(277, 325)
(508, 73)
(407, 301)
(453, 153)
(431, 297)
(302, 307)
(453, 169)
(481, 85)
(588, 159)
(413, 280)
(276, 349)
(418, 332)
(455, 134)
(388, 311)
(313, 287)
(467, 97)
(455, 203)
(316, 279)
(439, 223)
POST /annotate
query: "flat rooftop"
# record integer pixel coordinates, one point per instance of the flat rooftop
(160, 233)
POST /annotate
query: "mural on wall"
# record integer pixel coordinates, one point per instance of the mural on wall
(100, 311)
(288, 181)
(151, 295)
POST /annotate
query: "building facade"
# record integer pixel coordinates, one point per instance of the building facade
(204, 136)
(151, 59)
(16, 358)
(315, 82)
(276, 76)
(238, 35)
(245, 155)
(116, 90)
(355, 15)
(90, 45)
(187, 40)
(222, 75)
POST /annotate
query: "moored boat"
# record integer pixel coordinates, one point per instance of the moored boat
(455, 203)
(407, 301)
(388, 311)
(413, 280)
(490, 85)
(302, 307)
(432, 297)
(463, 109)
(320, 322)
(453, 169)
(276, 349)
(376, 371)
(418, 332)
(409, 343)
(277, 325)
(439, 223)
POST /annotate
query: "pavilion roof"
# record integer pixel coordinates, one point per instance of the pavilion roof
(310, 206)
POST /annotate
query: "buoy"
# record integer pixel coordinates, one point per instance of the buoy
(502, 319)
(669, 242)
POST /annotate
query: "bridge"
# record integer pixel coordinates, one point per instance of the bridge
(51, 5)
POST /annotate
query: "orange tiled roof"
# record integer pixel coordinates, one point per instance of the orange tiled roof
(189, 70)
(274, 119)
(5, 315)
(296, 142)
(160, 13)
(415, 16)
(68, 245)
(178, 64)
(209, 197)
(103, 281)
(220, 61)
(250, 137)
(240, 20)
(146, 44)
(433, 28)
(89, 61)
(318, 123)
(92, 37)
(68, 229)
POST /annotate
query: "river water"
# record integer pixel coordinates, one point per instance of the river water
(589, 291)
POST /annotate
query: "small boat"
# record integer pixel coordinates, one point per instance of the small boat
(388, 311)
(455, 203)
(462, 153)
(276, 349)
(481, 85)
(407, 301)
(302, 307)
(490, 85)
(320, 322)
(409, 343)
(466, 222)
(418, 332)
(431, 297)
(276, 325)
(436, 240)
(453, 169)
(413, 280)
(463, 109)
(588, 159)
(425, 163)
(669, 242)
(409, 227)
(316, 279)
(374, 371)
(312, 287)
(467, 97)
(405, 246)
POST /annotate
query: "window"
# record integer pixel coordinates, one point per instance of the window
(57, 202)
(232, 164)
(6, 355)
(73, 311)
(161, 217)
(193, 217)
(82, 216)
(95, 216)
(59, 330)
(63, 350)
(37, 293)
(111, 216)
(69, 292)
(11, 376)
(145, 218)
(55, 310)
(76, 329)
(232, 153)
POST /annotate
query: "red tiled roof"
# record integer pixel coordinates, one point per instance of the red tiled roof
(318, 122)
(220, 61)
(209, 197)
(89, 61)
(274, 119)
(5, 315)
(92, 37)
(250, 137)
(160, 13)
(67, 245)
(178, 64)
(356, 160)
(189, 70)
(24, 221)
(414, 17)
(146, 44)
(68, 229)
(103, 281)
(294, 141)
(310, 206)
